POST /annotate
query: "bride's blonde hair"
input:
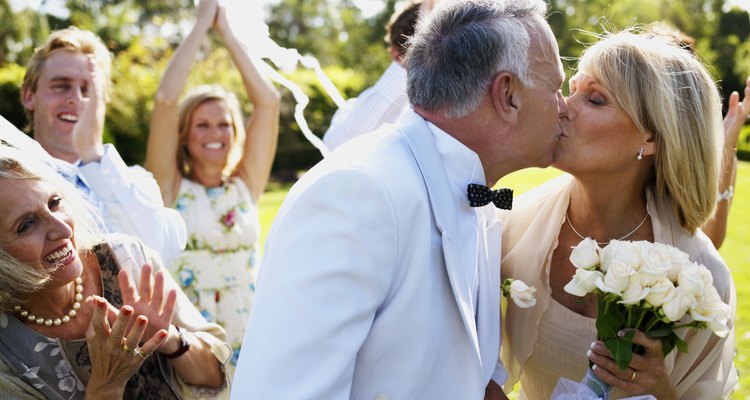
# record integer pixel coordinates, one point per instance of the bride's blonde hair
(667, 92)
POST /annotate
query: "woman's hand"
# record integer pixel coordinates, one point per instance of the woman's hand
(206, 13)
(89, 130)
(645, 374)
(221, 23)
(736, 116)
(150, 299)
(112, 350)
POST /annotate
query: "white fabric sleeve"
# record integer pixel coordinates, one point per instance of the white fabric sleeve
(132, 204)
(380, 104)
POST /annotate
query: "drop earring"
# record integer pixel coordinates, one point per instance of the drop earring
(640, 154)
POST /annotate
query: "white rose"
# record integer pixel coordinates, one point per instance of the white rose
(707, 277)
(691, 279)
(719, 329)
(522, 294)
(661, 292)
(679, 304)
(585, 255)
(713, 311)
(634, 292)
(677, 258)
(616, 279)
(655, 264)
(583, 282)
(627, 253)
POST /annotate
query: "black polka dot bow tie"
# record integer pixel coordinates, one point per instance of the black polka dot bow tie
(480, 195)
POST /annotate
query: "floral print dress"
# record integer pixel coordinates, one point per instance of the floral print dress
(218, 267)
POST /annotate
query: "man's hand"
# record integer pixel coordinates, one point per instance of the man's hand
(88, 131)
(494, 392)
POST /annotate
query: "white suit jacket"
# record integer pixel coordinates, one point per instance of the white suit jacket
(363, 292)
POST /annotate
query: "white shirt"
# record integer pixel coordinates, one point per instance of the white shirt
(462, 166)
(380, 104)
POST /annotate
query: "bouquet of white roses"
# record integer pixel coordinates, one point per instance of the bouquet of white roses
(651, 287)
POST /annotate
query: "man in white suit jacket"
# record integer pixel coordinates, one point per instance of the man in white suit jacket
(380, 281)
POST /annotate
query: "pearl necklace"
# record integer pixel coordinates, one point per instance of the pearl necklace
(57, 321)
(607, 242)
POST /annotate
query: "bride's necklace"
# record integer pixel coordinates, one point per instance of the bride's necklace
(57, 321)
(607, 242)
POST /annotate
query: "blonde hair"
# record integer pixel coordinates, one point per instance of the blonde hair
(73, 40)
(17, 280)
(195, 98)
(668, 92)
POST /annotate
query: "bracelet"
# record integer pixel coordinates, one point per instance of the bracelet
(184, 344)
(726, 195)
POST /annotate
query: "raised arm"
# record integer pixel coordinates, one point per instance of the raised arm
(263, 126)
(163, 141)
(716, 228)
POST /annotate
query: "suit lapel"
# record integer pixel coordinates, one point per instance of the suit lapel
(422, 145)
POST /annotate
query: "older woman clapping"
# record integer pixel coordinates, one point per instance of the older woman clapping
(74, 323)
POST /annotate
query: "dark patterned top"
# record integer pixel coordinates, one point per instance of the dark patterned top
(60, 369)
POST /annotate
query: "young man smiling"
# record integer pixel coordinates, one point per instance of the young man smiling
(64, 93)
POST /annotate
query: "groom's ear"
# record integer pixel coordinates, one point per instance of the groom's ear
(506, 97)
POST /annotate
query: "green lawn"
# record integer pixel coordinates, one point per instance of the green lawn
(734, 250)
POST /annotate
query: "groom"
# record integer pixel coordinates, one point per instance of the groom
(380, 280)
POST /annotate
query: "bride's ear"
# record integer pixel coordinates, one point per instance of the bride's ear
(649, 145)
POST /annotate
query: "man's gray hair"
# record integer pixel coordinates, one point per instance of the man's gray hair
(461, 46)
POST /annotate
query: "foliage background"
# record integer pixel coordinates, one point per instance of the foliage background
(143, 34)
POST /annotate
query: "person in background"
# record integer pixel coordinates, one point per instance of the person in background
(642, 140)
(734, 120)
(383, 102)
(380, 276)
(85, 315)
(213, 169)
(68, 124)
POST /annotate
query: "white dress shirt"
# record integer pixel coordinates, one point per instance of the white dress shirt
(380, 104)
(480, 226)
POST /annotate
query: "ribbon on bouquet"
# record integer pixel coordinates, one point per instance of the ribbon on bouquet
(565, 389)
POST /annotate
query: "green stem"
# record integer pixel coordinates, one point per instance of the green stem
(651, 325)
(640, 319)
(628, 323)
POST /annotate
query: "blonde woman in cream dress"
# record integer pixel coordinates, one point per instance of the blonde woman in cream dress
(642, 142)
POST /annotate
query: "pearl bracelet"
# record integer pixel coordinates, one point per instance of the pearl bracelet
(726, 195)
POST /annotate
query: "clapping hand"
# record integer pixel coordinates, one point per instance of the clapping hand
(113, 350)
(221, 22)
(206, 13)
(88, 131)
(736, 116)
(150, 299)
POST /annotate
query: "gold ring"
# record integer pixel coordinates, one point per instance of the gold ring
(632, 377)
(125, 347)
(140, 353)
